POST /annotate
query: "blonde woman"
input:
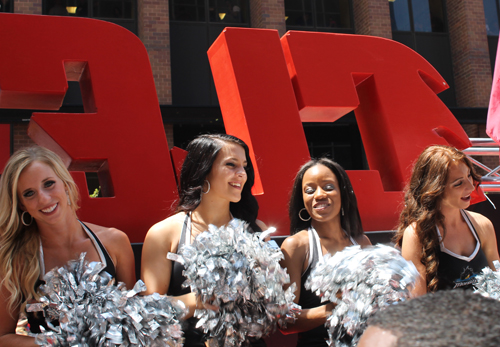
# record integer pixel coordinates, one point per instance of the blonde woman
(39, 230)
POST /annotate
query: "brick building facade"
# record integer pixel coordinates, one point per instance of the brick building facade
(466, 33)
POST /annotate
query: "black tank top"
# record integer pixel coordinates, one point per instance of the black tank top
(318, 336)
(36, 319)
(456, 271)
(193, 337)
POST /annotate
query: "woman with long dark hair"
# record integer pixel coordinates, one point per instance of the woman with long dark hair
(39, 230)
(324, 218)
(447, 244)
(215, 186)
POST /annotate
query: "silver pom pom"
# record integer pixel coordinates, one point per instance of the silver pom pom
(367, 279)
(488, 282)
(92, 311)
(239, 273)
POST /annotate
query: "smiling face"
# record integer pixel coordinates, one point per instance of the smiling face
(459, 186)
(228, 174)
(42, 193)
(321, 194)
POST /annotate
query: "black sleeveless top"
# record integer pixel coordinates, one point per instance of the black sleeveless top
(192, 337)
(318, 336)
(36, 319)
(456, 271)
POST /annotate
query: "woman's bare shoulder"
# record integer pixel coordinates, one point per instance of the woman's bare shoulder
(296, 242)
(363, 240)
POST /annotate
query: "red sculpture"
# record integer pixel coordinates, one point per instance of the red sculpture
(120, 136)
(266, 88)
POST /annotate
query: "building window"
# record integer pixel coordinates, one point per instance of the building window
(6, 6)
(121, 12)
(491, 16)
(421, 25)
(194, 26)
(318, 15)
(417, 15)
(213, 11)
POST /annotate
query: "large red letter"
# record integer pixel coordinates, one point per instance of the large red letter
(120, 135)
(391, 88)
(258, 105)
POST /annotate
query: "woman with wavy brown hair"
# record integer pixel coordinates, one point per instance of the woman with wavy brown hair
(447, 244)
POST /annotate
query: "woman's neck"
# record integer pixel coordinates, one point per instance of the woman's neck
(330, 230)
(212, 212)
(452, 217)
(61, 234)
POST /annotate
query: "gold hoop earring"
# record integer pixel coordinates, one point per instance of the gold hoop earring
(207, 189)
(22, 219)
(300, 215)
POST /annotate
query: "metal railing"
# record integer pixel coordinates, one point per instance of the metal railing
(485, 147)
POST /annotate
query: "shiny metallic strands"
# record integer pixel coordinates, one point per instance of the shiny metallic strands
(488, 282)
(360, 281)
(239, 273)
(92, 311)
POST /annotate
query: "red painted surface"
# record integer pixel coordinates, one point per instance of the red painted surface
(258, 105)
(391, 89)
(266, 87)
(120, 135)
(4, 145)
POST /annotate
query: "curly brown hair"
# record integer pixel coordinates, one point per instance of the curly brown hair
(421, 203)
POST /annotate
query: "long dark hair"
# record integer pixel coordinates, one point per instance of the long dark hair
(350, 221)
(202, 152)
(422, 197)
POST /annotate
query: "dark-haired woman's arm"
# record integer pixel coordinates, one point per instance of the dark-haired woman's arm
(411, 250)
(156, 269)
(294, 249)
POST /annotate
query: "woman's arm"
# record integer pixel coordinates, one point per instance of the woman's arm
(156, 269)
(294, 249)
(118, 246)
(411, 250)
(486, 233)
(8, 322)
(122, 254)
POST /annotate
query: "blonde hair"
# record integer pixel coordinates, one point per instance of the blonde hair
(20, 244)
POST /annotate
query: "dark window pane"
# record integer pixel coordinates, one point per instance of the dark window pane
(57, 8)
(400, 17)
(333, 14)
(294, 5)
(227, 11)
(437, 16)
(421, 16)
(320, 14)
(6, 5)
(491, 16)
(112, 9)
(187, 10)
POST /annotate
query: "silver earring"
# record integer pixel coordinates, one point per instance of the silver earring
(207, 189)
(69, 200)
(302, 218)
(342, 211)
(22, 219)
